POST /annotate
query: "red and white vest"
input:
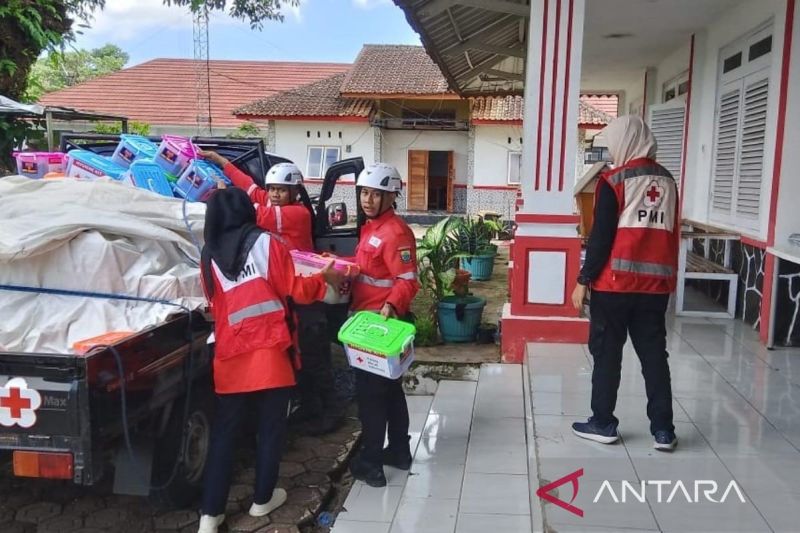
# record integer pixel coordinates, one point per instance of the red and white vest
(644, 257)
(249, 314)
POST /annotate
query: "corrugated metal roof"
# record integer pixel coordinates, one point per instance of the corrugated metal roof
(162, 91)
(467, 44)
(320, 98)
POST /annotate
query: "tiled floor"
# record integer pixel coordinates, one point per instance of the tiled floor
(737, 417)
(482, 449)
(470, 470)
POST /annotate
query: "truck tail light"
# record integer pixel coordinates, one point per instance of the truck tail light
(43, 464)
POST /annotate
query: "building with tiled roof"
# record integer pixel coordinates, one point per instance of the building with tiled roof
(161, 92)
(392, 71)
(319, 99)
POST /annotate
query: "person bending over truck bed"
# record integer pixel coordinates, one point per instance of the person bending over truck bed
(279, 210)
(248, 275)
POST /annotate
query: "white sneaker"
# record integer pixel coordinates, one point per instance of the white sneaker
(210, 524)
(278, 499)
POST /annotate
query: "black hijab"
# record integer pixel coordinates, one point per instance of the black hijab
(230, 232)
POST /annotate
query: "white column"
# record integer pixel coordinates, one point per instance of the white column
(552, 89)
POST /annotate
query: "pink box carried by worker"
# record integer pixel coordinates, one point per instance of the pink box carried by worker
(36, 164)
(175, 153)
(308, 263)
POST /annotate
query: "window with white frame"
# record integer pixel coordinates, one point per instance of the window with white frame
(739, 177)
(677, 86)
(514, 167)
(319, 159)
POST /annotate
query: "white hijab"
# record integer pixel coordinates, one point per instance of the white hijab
(629, 138)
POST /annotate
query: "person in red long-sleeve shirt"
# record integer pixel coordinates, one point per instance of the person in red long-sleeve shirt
(387, 258)
(248, 277)
(279, 211)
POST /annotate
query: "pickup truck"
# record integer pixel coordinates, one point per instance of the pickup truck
(143, 404)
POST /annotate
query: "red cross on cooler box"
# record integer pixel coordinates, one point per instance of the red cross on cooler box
(18, 404)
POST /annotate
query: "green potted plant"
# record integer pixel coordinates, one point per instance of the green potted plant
(438, 253)
(474, 237)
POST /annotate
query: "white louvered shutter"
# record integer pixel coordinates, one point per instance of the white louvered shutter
(725, 149)
(667, 124)
(751, 152)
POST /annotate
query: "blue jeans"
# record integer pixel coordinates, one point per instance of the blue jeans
(270, 406)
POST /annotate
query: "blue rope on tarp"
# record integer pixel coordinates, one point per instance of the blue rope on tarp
(90, 294)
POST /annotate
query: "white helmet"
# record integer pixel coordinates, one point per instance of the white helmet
(380, 176)
(284, 174)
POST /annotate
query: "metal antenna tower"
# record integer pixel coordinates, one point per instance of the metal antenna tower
(202, 71)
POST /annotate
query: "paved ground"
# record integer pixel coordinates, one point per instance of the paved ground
(309, 468)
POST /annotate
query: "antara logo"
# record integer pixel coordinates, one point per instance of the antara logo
(660, 491)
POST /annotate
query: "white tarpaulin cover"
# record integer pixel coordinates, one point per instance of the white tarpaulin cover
(97, 236)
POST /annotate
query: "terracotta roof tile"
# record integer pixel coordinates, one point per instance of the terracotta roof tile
(511, 108)
(320, 98)
(394, 69)
(162, 91)
(607, 103)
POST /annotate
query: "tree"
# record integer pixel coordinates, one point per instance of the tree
(58, 70)
(246, 130)
(30, 27)
(114, 128)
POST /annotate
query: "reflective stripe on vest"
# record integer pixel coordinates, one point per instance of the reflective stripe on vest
(644, 170)
(374, 282)
(410, 276)
(638, 267)
(263, 308)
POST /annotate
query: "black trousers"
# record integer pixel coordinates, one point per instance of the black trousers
(315, 380)
(270, 406)
(613, 317)
(381, 406)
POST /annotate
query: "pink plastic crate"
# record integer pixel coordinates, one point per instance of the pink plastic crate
(175, 153)
(36, 164)
(309, 263)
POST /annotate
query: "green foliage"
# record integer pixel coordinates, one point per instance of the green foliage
(475, 235)
(13, 133)
(246, 130)
(115, 128)
(437, 257)
(427, 330)
(58, 70)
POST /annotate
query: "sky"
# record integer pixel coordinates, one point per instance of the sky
(316, 30)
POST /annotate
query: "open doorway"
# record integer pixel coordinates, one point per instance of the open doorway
(431, 174)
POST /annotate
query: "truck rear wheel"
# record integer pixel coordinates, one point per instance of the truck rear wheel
(177, 486)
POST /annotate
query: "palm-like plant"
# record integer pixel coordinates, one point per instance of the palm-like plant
(475, 235)
(437, 258)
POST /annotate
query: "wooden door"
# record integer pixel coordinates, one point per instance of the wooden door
(417, 180)
(451, 179)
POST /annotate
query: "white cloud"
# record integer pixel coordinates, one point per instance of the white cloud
(369, 4)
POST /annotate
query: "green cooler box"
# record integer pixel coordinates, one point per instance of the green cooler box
(383, 347)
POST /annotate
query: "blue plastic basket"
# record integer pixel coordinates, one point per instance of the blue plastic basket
(148, 175)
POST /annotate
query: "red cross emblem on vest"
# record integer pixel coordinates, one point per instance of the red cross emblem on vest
(653, 195)
(18, 404)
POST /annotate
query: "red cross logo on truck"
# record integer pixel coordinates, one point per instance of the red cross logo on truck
(18, 404)
(653, 195)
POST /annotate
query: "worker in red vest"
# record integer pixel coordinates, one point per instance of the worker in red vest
(280, 210)
(631, 264)
(387, 257)
(248, 276)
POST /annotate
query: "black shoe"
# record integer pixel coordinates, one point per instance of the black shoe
(370, 474)
(665, 440)
(593, 431)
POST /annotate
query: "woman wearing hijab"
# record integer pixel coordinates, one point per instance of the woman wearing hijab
(248, 276)
(631, 264)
